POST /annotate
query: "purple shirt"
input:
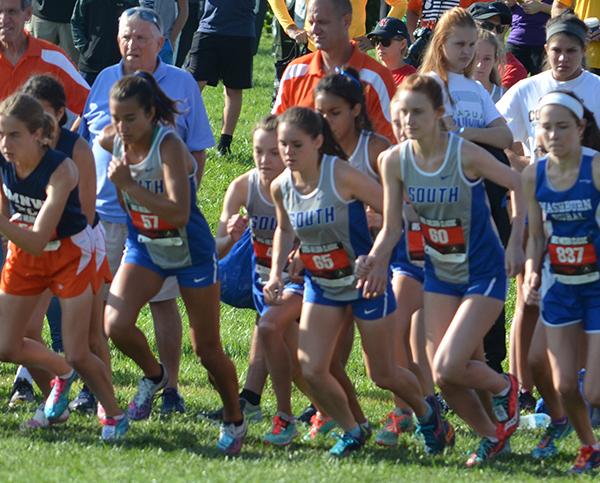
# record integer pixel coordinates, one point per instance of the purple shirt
(528, 29)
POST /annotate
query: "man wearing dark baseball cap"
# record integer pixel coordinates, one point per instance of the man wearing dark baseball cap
(391, 39)
(496, 17)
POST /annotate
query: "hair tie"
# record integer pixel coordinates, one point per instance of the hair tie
(564, 100)
(348, 75)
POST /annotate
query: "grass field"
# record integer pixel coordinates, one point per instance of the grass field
(182, 449)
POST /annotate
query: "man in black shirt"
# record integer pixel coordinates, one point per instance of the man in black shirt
(95, 24)
(51, 22)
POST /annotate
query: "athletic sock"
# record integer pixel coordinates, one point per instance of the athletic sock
(355, 432)
(286, 417)
(23, 373)
(250, 396)
(224, 146)
(158, 378)
(68, 375)
(427, 416)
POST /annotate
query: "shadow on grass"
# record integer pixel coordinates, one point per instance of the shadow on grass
(199, 439)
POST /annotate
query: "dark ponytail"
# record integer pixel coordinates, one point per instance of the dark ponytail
(49, 89)
(347, 85)
(148, 94)
(313, 124)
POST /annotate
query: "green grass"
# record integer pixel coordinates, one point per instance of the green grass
(182, 449)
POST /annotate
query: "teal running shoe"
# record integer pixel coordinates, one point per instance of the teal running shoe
(58, 400)
(394, 426)
(347, 444)
(282, 432)
(437, 433)
(546, 448)
(319, 426)
(114, 429)
(487, 450)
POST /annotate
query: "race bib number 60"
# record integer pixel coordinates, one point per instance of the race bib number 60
(444, 240)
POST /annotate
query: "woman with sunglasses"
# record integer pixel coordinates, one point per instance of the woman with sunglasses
(450, 58)
(390, 37)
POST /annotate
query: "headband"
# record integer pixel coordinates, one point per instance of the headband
(348, 75)
(564, 100)
(567, 28)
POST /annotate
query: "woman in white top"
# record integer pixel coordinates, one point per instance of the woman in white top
(450, 58)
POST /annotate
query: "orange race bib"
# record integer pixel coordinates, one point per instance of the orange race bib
(150, 225)
(444, 240)
(415, 242)
(263, 253)
(573, 260)
(328, 264)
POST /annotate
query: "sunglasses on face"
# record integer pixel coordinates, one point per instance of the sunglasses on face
(144, 14)
(385, 42)
(492, 27)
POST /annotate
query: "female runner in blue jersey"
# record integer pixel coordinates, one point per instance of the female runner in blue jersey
(277, 327)
(167, 236)
(563, 193)
(320, 200)
(50, 248)
(340, 99)
(465, 266)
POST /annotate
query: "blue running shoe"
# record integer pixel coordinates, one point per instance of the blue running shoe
(172, 402)
(85, 402)
(58, 400)
(114, 429)
(546, 448)
(231, 438)
(346, 444)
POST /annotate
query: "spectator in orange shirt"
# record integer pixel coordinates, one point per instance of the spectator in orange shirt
(23, 56)
(329, 21)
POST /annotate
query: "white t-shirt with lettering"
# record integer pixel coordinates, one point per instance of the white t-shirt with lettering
(467, 101)
(520, 102)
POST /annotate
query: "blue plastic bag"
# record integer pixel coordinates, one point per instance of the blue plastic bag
(235, 271)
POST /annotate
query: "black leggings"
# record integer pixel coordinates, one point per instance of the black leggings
(532, 57)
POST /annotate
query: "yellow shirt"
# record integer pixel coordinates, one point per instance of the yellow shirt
(359, 15)
(585, 9)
